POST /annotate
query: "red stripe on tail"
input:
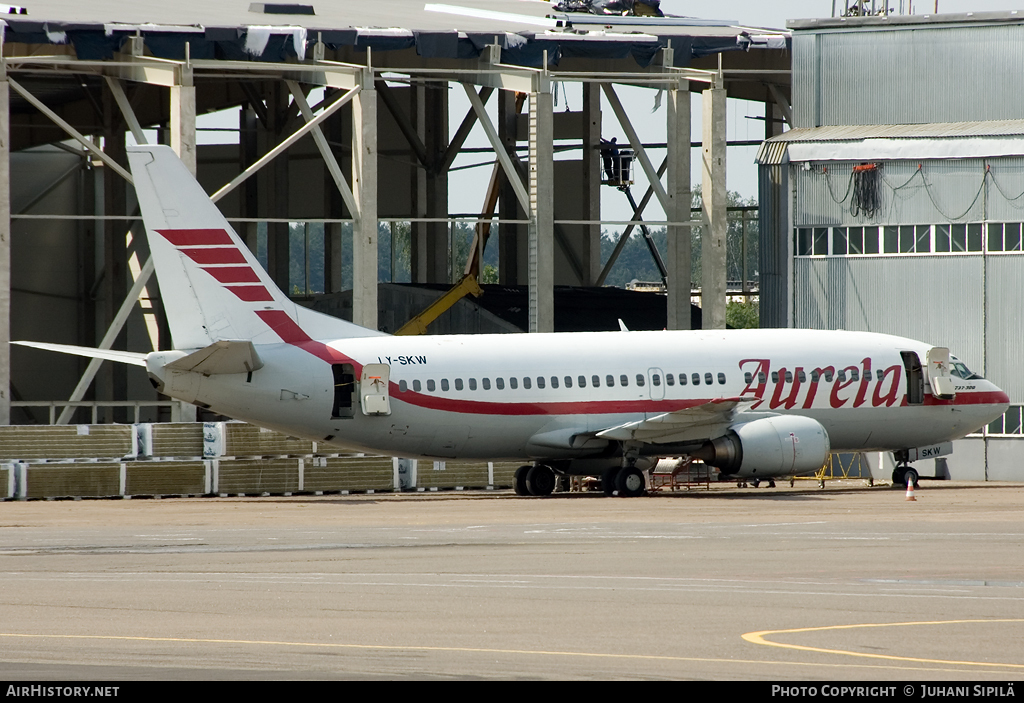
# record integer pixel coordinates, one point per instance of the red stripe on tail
(219, 255)
(194, 237)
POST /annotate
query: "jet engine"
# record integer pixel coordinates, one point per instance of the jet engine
(784, 445)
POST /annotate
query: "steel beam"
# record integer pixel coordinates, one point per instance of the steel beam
(506, 162)
(325, 149)
(55, 118)
(117, 90)
(637, 145)
(624, 237)
(295, 136)
(462, 133)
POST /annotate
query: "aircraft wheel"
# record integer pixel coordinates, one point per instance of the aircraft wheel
(771, 483)
(899, 479)
(756, 482)
(519, 481)
(630, 482)
(608, 480)
(540, 480)
(910, 475)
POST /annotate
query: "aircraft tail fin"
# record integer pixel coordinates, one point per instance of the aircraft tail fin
(212, 286)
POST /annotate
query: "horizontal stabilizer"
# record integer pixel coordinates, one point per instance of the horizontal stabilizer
(225, 356)
(124, 357)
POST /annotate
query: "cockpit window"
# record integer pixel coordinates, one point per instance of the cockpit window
(960, 370)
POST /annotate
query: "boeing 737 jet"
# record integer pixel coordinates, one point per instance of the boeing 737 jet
(757, 404)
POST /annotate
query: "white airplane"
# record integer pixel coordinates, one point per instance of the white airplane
(757, 404)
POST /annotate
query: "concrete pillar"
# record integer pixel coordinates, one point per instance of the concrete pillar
(364, 188)
(591, 252)
(678, 256)
(542, 203)
(5, 249)
(716, 225)
(248, 152)
(273, 186)
(183, 120)
(430, 239)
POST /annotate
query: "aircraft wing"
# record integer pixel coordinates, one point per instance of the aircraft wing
(705, 421)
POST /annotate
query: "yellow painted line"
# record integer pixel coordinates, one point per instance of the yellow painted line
(759, 638)
(477, 650)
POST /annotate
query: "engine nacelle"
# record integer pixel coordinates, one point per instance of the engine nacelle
(786, 445)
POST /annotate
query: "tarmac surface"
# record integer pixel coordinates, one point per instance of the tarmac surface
(846, 583)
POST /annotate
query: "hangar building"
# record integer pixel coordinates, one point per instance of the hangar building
(896, 203)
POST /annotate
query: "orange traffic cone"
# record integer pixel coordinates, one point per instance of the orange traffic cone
(910, 490)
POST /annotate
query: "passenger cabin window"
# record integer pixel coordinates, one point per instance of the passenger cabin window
(458, 384)
(682, 379)
(609, 381)
(486, 382)
(748, 378)
(721, 379)
(540, 382)
(656, 380)
(527, 383)
(444, 384)
(696, 379)
(430, 384)
(499, 383)
(582, 381)
(708, 379)
(472, 384)
(513, 383)
(640, 379)
(417, 386)
(596, 381)
(554, 381)
(623, 380)
(670, 379)
(568, 381)
(403, 386)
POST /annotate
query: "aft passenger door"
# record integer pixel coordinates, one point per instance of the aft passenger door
(373, 389)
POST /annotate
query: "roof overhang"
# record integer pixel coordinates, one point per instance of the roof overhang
(957, 140)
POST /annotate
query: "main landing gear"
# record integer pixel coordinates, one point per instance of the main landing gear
(538, 480)
(629, 481)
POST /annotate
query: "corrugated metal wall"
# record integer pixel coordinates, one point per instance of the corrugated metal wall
(911, 192)
(928, 73)
(773, 253)
(932, 298)
(1004, 333)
